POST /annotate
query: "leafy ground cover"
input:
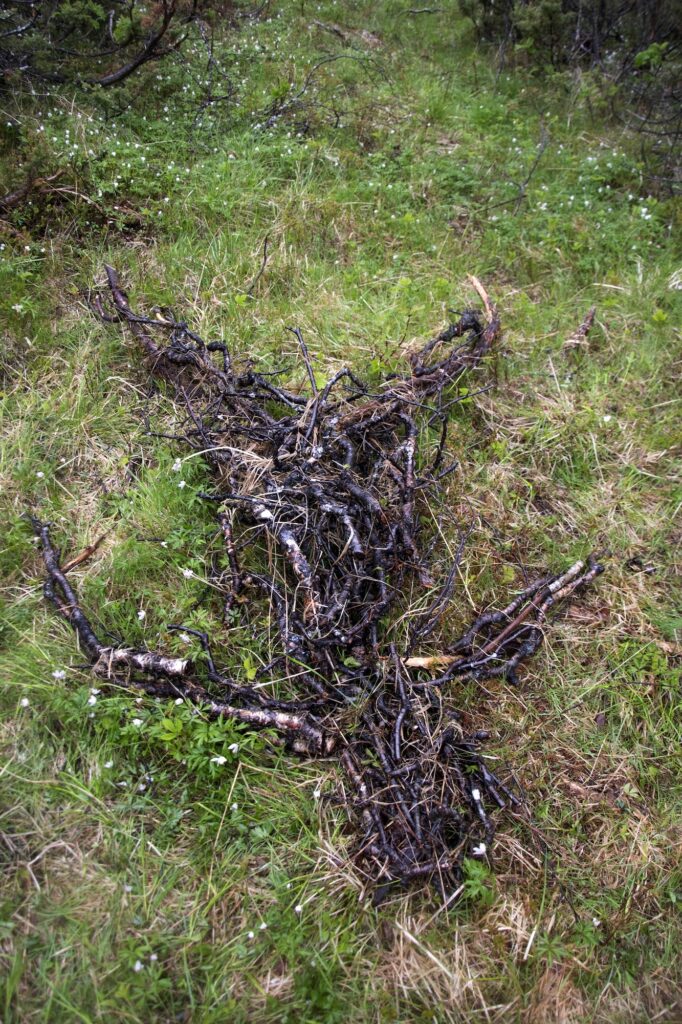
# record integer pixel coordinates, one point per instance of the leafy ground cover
(143, 879)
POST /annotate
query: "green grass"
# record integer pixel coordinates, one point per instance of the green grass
(124, 841)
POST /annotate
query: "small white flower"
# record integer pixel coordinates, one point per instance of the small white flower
(153, 957)
(596, 922)
(187, 573)
(234, 807)
(18, 308)
(92, 699)
(263, 926)
(141, 788)
(250, 935)
(59, 673)
(127, 888)
(288, 885)
(25, 702)
(219, 759)
(123, 785)
(479, 850)
(141, 614)
(476, 795)
(93, 689)
(179, 700)
(182, 483)
(186, 639)
(108, 764)
(137, 722)
(233, 748)
(40, 474)
(317, 794)
(177, 466)
(298, 909)
(607, 418)
(138, 966)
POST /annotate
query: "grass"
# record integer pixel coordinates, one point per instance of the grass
(137, 873)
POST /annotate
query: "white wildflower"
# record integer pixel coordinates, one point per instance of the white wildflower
(177, 466)
(108, 764)
(141, 614)
(25, 702)
(298, 909)
(137, 722)
(182, 483)
(219, 759)
(479, 850)
(138, 966)
(187, 573)
(233, 748)
(92, 699)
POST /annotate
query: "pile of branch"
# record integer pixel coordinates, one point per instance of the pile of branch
(318, 495)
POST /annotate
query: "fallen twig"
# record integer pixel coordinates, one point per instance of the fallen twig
(84, 555)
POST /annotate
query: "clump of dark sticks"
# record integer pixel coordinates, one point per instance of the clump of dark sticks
(324, 489)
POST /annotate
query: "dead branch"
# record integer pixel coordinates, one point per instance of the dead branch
(84, 555)
(33, 185)
(150, 51)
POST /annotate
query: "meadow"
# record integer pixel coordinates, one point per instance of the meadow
(150, 871)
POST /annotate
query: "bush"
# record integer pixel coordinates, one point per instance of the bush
(559, 32)
(632, 50)
(92, 42)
